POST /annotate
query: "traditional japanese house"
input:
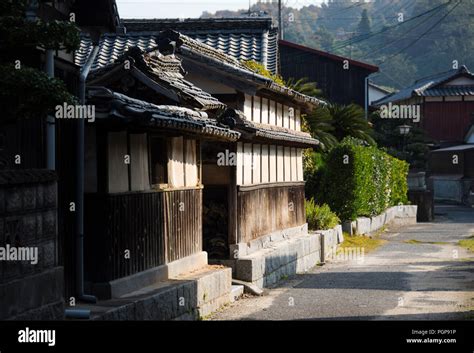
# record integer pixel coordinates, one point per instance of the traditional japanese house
(143, 171)
(258, 196)
(446, 102)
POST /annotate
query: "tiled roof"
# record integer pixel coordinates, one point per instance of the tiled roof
(432, 86)
(112, 46)
(164, 70)
(450, 91)
(110, 104)
(268, 132)
(244, 38)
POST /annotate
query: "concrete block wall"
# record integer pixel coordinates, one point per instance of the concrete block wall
(28, 218)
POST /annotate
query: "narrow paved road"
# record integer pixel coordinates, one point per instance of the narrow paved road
(432, 278)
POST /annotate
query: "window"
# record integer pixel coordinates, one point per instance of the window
(158, 160)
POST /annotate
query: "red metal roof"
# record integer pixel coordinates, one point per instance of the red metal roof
(329, 55)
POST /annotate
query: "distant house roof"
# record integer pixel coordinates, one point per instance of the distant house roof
(162, 73)
(113, 46)
(244, 38)
(380, 88)
(113, 105)
(433, 86)
(455, 148)
(369, 67)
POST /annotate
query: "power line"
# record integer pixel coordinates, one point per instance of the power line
(423, 34)
(365, 37)
(406, 32)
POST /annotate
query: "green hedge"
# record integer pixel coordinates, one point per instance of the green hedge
(362, 181)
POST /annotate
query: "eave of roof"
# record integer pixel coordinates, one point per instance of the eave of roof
(110, 104)
(369, 67)
(265, 132)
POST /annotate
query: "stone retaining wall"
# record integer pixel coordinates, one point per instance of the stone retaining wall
(403, 215)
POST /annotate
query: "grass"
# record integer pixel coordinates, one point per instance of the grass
(414, 241)
(368, 243)
(468, 243)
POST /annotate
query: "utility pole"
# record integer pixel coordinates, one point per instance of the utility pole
(280, 23)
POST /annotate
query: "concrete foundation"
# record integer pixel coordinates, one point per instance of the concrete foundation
(284, 256)
(186, 297)
(122, 286)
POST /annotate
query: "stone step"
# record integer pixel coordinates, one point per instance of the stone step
(188, 296)
(236, 292)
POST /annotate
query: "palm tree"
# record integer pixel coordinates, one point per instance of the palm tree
(319, 124)
(303, 85)
(332, 122)
(349, 120)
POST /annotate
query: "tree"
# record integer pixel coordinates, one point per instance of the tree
(303, 85)
(25, 91)
(349, 120)
(364, 26)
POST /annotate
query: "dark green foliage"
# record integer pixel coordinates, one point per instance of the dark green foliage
(332, 122)
(362, 180)
(314, 164)
(16, 31)
(417, 142)
(364, 24)
(303, 85)
(320, 217)
(28, 93)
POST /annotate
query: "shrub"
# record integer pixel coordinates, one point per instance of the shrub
(314, 164)
(320, 217)
(362, 181)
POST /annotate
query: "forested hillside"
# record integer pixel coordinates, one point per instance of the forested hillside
(408, 39)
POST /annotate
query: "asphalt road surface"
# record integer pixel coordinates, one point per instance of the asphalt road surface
(429, 278)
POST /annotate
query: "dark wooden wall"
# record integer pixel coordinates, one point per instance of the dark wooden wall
(267, 208)
(338, 85)
(447, 121)
(157, 228)
(442, 163)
